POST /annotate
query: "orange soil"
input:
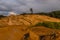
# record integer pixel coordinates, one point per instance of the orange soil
(17, 32)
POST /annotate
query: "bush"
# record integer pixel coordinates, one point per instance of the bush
(2, 16)
(55, 25)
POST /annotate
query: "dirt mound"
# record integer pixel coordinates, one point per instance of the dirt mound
(26, 19)
(23, 33)
(17, 27)
(12, 33)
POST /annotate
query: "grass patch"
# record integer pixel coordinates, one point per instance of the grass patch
(55, 25)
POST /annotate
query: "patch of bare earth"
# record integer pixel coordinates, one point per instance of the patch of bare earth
(15, 27)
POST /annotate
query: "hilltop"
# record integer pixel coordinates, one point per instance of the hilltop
(26, 19)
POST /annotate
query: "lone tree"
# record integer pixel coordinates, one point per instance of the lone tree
(31, 10)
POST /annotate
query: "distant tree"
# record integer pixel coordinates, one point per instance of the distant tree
(55, 14)
(1, 16)
(23, 13)
(31, 10)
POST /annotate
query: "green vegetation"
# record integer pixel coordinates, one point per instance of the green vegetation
(2, 16)
(55, 25)
(55, 14)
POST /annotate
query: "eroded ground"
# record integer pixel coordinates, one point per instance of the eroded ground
(15, 27)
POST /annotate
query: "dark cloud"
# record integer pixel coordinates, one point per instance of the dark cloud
(24, 5)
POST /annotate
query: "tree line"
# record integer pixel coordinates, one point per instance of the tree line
(55, 14)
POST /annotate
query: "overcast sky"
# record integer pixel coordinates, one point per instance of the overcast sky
(20, 6)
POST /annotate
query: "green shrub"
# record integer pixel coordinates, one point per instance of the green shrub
(55, 25)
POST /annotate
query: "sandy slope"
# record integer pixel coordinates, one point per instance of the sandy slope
(22, 21)
(12, 33)
(26, 19)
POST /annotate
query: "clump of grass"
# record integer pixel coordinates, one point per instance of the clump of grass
(55, 25)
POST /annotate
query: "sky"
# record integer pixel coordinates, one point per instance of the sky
(20, 6)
